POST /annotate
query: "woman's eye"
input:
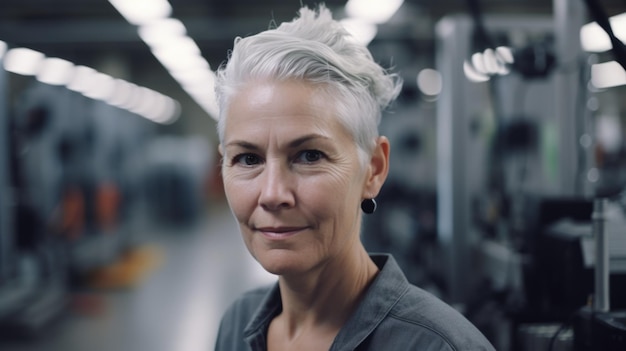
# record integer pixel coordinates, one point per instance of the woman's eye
(310, 156)
(247, 159)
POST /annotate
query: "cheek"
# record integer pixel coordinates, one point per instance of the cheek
(238, 197)
(332, 193)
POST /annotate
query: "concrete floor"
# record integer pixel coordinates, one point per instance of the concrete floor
(177, 307)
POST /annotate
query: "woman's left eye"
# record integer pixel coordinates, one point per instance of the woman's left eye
(309, 156)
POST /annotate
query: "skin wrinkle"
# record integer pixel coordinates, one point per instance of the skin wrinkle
(272, 183)
(336, 172)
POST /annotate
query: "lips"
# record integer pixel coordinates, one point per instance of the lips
(278, 233)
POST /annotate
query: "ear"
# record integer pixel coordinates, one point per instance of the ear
(377, 169)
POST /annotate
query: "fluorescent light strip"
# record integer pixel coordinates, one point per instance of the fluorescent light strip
(100, 87)
(607, 75)
(472, 74)
(362, 31)
(122, 94)
(90, 83)
(156, 32)
(55, 71)
(594, 39)
(429, 82)
(139, 12)
(23, 61)
(373, 11)
(3, 49)
(169, 43)
(178, 53)
(83, 78)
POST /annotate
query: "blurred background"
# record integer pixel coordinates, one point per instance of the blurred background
(506, 196)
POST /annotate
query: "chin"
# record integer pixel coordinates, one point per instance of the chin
(283, 262)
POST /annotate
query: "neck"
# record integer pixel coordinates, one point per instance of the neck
(328, 295)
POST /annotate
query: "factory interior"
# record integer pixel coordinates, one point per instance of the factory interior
(506, 195)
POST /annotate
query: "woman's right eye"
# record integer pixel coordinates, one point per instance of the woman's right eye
(246, 159)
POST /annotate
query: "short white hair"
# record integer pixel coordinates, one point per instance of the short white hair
(315, 49)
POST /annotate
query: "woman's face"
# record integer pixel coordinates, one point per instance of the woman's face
(292, 176)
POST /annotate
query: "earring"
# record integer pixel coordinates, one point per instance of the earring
(368, 206)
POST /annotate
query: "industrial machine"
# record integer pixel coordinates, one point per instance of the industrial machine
(519, 180)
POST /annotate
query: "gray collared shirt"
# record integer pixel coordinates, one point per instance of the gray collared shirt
(393, 315)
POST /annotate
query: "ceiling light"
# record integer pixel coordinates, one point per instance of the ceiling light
(55, 71)
(373, 11)
(478, 63)
(191, 77)
(505, 54)
(101, 87)
(139, 12)
(205, 97)
(607, 75)
(171, 111)
(146, 99)
(363, 32)
(472, 74)
(122, 93)
(155, 109)
(82, 79)
(491, 62)
(180, 46)
(23, 61)
(164, 110)
(3, 48)
(594, 39)
(429, 82)
(176, 62)
(162, 30)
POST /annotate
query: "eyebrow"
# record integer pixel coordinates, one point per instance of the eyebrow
(292, 144)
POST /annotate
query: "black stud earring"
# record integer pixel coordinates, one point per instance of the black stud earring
(368, 206)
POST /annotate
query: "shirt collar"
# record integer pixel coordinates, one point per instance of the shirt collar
(383, 294)
(387, 288)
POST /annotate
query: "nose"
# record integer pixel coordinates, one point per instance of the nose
(277, 187)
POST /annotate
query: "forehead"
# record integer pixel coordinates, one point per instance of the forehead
(279, 106)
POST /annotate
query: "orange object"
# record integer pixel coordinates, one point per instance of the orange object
(107, 206)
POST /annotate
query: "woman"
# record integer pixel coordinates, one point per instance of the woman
(299, 109)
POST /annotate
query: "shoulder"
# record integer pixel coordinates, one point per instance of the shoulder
(234, 321)
(419, 312)
(396, 315)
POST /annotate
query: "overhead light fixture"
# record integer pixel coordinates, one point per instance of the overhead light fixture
(472, 74)
(192, 77)
(155, 106)
(91, 83)
(23, 61)
(594, 39)
(607, 75)
(205, 97)
(478, 62)
(429, 82)
(174, 63)
(164, 30)
(101, 87)
(362, 31)
(505, 54)
(169, 112)
(373, 11)
(3, 48)
(168, 41)
(145, 99)
(82, 80)
(55, 71)
(139, 12)
(176, 48)
(122, 93)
